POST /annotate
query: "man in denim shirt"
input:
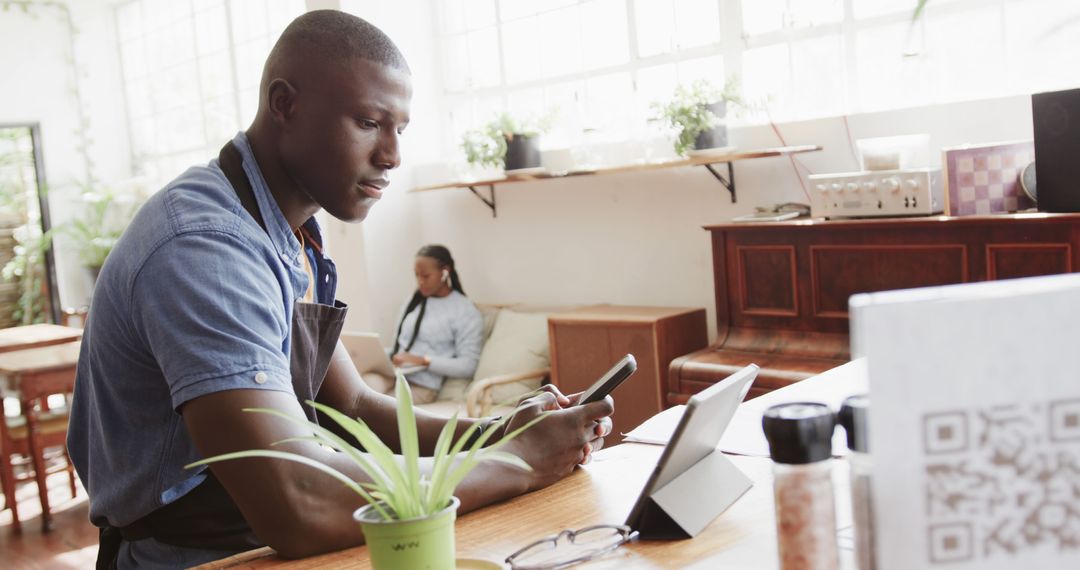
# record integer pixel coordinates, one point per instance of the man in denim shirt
(193, 319)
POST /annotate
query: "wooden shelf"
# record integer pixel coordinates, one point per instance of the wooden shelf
(705, 159)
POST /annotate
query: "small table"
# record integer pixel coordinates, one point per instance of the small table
(32, 336)
(32, 374)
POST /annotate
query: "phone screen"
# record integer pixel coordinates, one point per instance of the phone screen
(612, 378)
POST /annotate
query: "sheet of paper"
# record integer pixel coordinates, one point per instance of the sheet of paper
(743, 435)
(657, 429)
(974, 423)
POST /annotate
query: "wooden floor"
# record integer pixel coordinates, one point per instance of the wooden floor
(71, 544)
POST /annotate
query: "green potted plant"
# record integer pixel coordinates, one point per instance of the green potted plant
(697, 113)
(505, 141)
(404, 505)
(105, 213)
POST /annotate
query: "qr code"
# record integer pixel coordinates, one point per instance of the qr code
(1002, 481)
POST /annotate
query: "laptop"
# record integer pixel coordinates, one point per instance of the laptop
(693, 482)
(367, 352)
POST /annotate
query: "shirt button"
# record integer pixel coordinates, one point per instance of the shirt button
(285, 257)
(260, 378)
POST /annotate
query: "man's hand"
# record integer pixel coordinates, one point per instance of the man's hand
(601, 430)
(562, 440)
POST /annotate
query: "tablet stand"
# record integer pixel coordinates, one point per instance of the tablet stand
(686, 505)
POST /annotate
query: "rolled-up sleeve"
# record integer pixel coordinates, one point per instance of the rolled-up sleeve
(210, 308)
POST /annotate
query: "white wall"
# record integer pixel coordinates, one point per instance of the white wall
(624, 238)
(375, 257)
(636, 238)
(40, 73)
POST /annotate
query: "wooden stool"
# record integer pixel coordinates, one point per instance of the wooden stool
(32, 375)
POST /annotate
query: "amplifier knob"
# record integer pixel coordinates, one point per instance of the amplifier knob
(837, 187)
(890, 184)
(822, 188)
(911, 184)
(869, 186)
(852, 187)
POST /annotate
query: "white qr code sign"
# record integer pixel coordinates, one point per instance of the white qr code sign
(975, 423)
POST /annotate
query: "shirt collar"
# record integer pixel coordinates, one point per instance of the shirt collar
(277, 227)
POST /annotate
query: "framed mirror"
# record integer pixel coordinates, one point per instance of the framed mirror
(28, 291)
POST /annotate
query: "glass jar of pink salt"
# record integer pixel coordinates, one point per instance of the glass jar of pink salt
(800, 444)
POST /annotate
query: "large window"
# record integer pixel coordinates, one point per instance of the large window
(191, 73)
(598, 64)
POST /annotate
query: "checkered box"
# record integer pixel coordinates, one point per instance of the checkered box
(986, 179)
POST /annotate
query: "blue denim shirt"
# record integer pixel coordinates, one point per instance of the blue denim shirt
(195, 298)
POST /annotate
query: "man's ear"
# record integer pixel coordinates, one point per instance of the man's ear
(281, 100)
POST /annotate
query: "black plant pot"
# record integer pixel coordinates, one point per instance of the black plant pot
(715, 137)
(522, 151)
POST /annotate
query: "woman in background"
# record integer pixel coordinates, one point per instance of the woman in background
(440, 329)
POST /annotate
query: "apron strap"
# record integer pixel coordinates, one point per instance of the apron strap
(232, 164)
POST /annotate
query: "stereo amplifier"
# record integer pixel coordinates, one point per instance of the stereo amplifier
(878, 193)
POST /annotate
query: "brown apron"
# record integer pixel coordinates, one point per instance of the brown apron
(206, 517)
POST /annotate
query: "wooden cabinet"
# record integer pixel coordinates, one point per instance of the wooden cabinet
(585, 343)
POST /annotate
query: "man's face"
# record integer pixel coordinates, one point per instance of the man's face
(344, 136)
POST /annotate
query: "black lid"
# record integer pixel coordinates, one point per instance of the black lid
(853, 416)
(799, 432)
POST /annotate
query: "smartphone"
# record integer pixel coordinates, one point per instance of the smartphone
(612, 378)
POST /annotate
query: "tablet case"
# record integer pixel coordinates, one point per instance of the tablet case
(681, 509)
(684, 505)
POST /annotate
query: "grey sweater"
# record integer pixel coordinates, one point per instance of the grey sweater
(451, 334)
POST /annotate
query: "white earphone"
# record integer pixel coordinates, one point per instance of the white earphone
(446, 275)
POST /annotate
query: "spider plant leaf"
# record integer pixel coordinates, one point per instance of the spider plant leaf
(919, 7)
(441, 461)
(439, 474)
(504, 457)
(331, 439)
(410, 446)
(382, 454)
(296, 457)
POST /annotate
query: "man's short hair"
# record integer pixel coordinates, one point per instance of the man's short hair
(332, 35)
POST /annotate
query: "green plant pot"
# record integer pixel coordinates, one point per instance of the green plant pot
(420, 544)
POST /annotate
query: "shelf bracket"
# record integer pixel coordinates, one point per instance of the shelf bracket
(729, 182)
(489, 203)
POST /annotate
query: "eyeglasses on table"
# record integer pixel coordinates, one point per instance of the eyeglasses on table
(571, 547)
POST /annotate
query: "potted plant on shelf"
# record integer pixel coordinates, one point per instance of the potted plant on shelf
(697, 113)
(404, 505)
(505, 141)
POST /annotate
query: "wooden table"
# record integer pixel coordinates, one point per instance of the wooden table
(31, 375)
(31, 336)
(603, 492)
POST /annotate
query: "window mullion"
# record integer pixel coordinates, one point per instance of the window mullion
(851, 63)
(731, 37)
(233, 63)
